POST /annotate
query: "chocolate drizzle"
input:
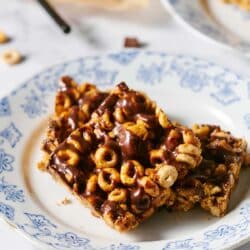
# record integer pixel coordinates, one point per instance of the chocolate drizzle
(131, 104)
(65, 83)
(73, 118)
(112, 208)
(140, 199)
(107, 104)
(132, 146)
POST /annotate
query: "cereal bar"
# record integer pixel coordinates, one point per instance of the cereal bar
(124, 161)
(210, 185)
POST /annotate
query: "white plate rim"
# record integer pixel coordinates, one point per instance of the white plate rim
(168, 6)
(142, 245)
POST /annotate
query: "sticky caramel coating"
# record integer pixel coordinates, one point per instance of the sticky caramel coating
(211, 184)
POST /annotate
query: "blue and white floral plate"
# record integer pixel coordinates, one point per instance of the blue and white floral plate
(189, 89)
(226, 24)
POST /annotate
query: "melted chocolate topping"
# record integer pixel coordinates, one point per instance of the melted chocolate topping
(132, 146)
(140, 199)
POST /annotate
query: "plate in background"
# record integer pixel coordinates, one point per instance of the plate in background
(189, 89)
(224, 23)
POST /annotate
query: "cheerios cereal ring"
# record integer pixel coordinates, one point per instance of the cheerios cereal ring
(157, 156)
(201, 130)
(164, 195)
(92, 184)
(189, 149)
(130, 171)
(69, 156)
(185, 158)
(119, 116)
(166, 175)
(63, 102)
(118, 195)
(162, 118)
(74, 141)
(143, 204)
(11, 57)
(105, 157)
(3, 37)
(108, 178)
(149, 186)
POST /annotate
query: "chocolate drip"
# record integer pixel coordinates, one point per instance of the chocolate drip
(132, 146)
(73, 118)
(132, 104)
(107, 104)
(172, 142)
(140, 199)
(113, 208)
(65, 83)
(92, 101)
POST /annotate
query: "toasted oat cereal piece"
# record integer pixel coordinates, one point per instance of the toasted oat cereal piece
(139, 121)
(74, 104)
(3, 37)
(108, 162)
(11, 57)
(210, 185)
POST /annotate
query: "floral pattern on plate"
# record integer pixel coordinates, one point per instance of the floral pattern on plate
(31, 102)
